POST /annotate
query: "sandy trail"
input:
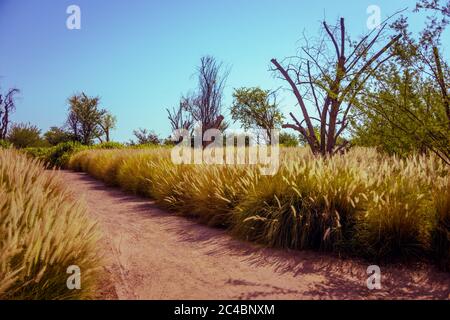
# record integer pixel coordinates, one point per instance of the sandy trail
(153, 254)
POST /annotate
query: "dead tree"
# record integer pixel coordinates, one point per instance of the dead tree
(330, 77)
(7, 106)
(178, 118)
(205, 105)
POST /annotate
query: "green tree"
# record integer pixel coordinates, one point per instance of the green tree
(256, 108)
(25, 135)
(56, 135)
(289, 139)
(406, 106)
(84, 118)
(403, 113)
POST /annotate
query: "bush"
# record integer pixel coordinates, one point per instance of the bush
(361, 203)
(56, 135)
(108, 145)
(288, 140)
(59, 155)
(4, 144)
(25, 135)
(43, 232)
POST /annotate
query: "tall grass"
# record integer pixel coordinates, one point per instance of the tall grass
(43, 231)
(361, 203)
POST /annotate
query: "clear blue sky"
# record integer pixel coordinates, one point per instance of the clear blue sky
(140, 56)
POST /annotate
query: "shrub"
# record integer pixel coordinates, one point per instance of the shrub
(43, 231)
(25, 135)
(59, 155)
(56, 135)
(108, 145)
(4, 144)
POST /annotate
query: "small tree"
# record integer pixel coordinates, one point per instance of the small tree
(84, 118)
(407, 105)
(144, 136)
(256, 108)
(331, 76)
(56, 135)
(7, 106)
(289, 139)
(107, 123)
(25, 135)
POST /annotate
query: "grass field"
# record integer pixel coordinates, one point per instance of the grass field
(43, 231)
(361, 203)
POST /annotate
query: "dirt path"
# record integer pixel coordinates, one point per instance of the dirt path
(153, 254)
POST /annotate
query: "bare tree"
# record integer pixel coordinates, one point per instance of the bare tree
(7, 106)
(178, 117)
(205, 105)
(72, 125)
(330, 77)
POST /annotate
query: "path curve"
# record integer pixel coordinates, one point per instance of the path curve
(153, 254)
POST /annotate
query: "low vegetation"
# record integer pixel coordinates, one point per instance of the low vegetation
(43, 231)
(361, 203)
(59, 155)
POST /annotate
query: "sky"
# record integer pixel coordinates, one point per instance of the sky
(141, 56)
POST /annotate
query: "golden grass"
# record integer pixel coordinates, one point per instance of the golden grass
(43, 231)
(362, 203)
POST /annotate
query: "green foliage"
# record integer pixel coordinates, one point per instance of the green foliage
(288, 140)
(253, 108)
(401, 114)
(145, 137)
(56, 135)
(25, 135)
(108, 145)
(59, 155)
(84, 118)
(4, 144)
(43, 232)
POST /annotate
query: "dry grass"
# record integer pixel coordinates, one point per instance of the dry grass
(43, 231)
(362, 203)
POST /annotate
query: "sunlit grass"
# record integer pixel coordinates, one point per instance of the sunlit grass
(361, 203)
(43, 231)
